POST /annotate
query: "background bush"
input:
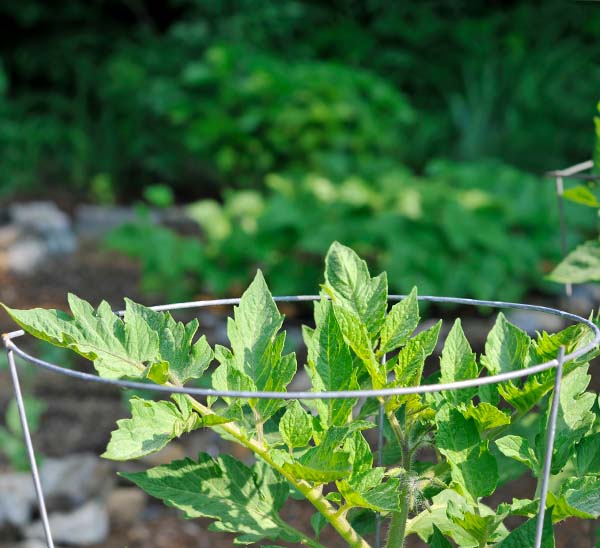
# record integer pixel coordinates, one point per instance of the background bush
(483, 229)
(107, 96)
(407, 131)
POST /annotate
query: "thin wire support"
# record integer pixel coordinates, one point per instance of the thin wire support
(551, 432)
(30, 451)
(594, 341)
(379, 462)
(573, 172)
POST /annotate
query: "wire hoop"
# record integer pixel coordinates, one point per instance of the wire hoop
(12, 350)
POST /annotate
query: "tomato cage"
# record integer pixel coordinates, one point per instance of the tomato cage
(579, 172)
(381, 394)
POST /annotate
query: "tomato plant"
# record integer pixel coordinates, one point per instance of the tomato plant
(444, 455)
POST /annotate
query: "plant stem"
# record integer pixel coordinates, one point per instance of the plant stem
(397, 528)
(312, 494)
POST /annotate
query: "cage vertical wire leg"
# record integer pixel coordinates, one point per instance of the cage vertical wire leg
(29, 445)
(560, 188)
(551, 431)
(379, 463)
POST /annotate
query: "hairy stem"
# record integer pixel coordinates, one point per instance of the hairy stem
(312, 494)
(397, 529)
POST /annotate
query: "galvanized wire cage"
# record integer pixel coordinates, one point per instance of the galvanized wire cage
(14, 350)
(557, 364)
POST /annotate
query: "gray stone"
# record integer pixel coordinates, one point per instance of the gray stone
(25, 256)
(73, 479)
(125, 505)
(39, 216)
(17, 499)
(533, 321)
(585, 299)
(45, 221)
(94, 221)
(87, 525)
(9, 234)
(31, 543)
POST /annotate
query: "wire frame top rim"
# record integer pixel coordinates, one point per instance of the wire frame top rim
(309, 395)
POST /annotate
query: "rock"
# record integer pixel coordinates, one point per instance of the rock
(48, 223)
(73, 479)
(86, 525)
(585, 299)
(31, 543)
(24, 256)
(9, 234)
(125, 505)
(17, 499)
(96, 220)
(533, 321)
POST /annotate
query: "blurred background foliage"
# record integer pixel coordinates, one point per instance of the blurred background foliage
(415, 132)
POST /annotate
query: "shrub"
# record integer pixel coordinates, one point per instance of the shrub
(483, 230)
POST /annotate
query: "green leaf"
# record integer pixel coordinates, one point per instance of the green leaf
(367, 490)
(575, 417)
(386, 497)
(579, 497)
(525, 397)
(438, 540)
(186, 361)
(473, 467)
(318, 522)
(458, 363)
(361, 455)
(411, 358)
(481, 527)
(257, 347)
(506, 348)
(295, 426)
(524, 535)
(436, 515)
(152, 425)
(587, 455)
(330, 366)
(348, 282)
(327, 461)
(580, 266)
(583, 195)
(118, 348)
(357, 337)
(399, 324)
(547, 345)
(516, 447)
(486, 416)
(241, 500)
(319, 467)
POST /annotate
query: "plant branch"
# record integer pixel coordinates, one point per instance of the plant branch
(312, 494)
(397, 530)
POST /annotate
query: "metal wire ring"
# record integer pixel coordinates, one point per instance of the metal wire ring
(309, 395)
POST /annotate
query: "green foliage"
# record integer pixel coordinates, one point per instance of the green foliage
(12, 445)
(490, 225)
(318, 449)
(205, 94)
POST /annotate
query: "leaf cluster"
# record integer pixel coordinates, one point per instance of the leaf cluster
(322, 449)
